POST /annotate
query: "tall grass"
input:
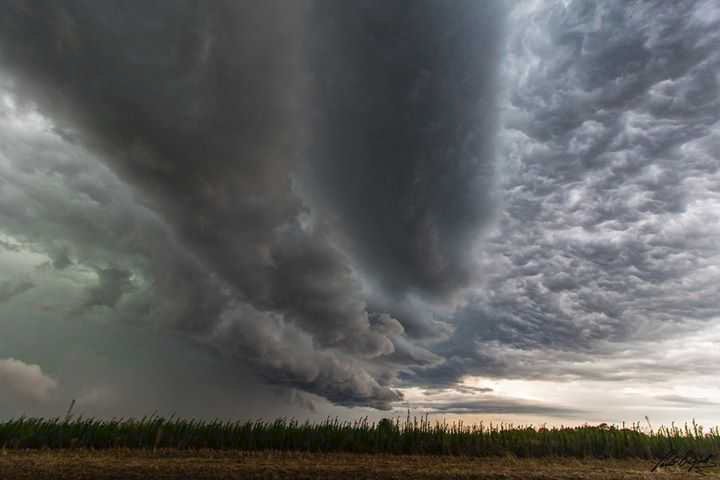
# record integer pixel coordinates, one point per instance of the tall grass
(410, 436)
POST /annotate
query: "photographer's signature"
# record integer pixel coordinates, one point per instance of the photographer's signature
(690, 461)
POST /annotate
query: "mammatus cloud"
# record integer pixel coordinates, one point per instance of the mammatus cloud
(403, 159)
(24, 381)
(112, 285)
(603, 249)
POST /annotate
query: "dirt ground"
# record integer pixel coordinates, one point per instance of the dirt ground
(126, 464)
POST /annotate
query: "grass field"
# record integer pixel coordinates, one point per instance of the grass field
(411, 436)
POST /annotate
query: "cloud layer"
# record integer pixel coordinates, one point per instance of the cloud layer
(356, 200)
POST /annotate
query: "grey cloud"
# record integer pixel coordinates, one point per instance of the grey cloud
(103, 363)
(60, 259)
(417, 316)
(45, 213)
(219, 140)
(609, 179)
(687, 401)
(406, 109)
(167, 287)
(10, 288)
(286, 355)
(113, 283)
(463, 399)
(500, 406)
(466, 389)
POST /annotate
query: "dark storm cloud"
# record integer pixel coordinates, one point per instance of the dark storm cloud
(60, 258)
(406, 103)
(204, 110)
(113, 283)
(605, 243)
(300, 185)
(104, 364)
(471, 389)
(47, 210)
(463, 399)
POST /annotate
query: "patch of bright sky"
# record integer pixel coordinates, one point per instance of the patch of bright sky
(677, 398)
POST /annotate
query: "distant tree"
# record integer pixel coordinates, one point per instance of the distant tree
(386, 425)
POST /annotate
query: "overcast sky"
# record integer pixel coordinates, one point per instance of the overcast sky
(487, 209)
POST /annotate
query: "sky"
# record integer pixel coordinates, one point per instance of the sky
(489, 211)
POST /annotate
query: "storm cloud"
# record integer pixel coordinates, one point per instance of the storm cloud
(24, 380)
(211, 113)
(346, 201)
(9, 289)
(605, 247)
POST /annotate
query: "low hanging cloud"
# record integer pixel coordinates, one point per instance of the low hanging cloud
(238, 152)
(403, 160)
(113, 283)
(24, 381)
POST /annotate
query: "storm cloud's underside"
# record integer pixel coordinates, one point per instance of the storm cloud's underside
(355, 199)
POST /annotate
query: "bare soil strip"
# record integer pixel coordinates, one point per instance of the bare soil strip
(129, 464)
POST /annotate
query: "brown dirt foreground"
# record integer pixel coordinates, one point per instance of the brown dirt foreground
(127, 464)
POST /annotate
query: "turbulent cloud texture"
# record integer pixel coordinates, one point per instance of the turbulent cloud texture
(358, 199)
(606, 241)
(205, 111)
(9, 289)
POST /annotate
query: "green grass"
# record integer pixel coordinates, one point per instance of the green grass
(411, 436)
